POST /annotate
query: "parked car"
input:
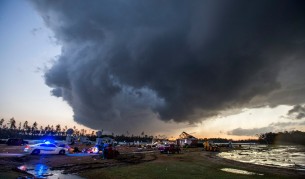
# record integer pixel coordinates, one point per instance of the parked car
(96, 149)
(45, 148)
(170, 148)
(107, 151)
(16, 141)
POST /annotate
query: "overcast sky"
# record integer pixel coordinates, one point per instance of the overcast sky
(212, 68)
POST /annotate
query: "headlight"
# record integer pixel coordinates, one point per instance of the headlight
(95, 150)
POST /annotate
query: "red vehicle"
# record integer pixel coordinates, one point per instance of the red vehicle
(170, 149)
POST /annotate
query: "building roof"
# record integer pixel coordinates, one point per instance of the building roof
(185, 135)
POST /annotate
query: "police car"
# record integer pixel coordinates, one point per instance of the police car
(45, 148)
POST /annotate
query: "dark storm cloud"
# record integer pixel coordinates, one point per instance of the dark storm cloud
(298, 112)
(124, 63)
(250, 132)
(279, 127)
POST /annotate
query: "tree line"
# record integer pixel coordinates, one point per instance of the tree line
(292, 137)
(34, 131)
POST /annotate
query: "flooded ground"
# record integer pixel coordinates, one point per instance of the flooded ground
(286, 156)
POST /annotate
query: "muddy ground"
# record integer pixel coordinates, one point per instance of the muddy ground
(80, 164)
(70, 163)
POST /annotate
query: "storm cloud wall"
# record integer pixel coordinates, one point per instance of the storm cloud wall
(127, 62)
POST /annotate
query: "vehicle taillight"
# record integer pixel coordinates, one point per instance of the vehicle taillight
(27, 147)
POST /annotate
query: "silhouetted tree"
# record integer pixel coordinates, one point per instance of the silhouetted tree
(1, 122)
(58, 129)
(41, 130)
(47, 128)
(19, 127)
(82, 132)
(35, 125)
(292, 137)
(25, 125)
(12, 123)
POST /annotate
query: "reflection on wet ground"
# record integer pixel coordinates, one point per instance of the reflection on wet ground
(237, 171)
(43, 171)
(279, 156)
(11, 155)
(81, 154)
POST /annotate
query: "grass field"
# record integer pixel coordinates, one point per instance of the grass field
(187, 165)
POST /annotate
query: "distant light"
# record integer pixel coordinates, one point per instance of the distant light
(95, 150)
(47, 142)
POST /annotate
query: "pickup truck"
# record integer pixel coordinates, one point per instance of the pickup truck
(170, 148)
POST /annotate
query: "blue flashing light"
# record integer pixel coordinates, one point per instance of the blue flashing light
(48, 140)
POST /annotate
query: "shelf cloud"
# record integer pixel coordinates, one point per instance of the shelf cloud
(127, 63)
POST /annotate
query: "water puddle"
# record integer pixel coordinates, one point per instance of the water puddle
(237, 171)
(43, 171)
